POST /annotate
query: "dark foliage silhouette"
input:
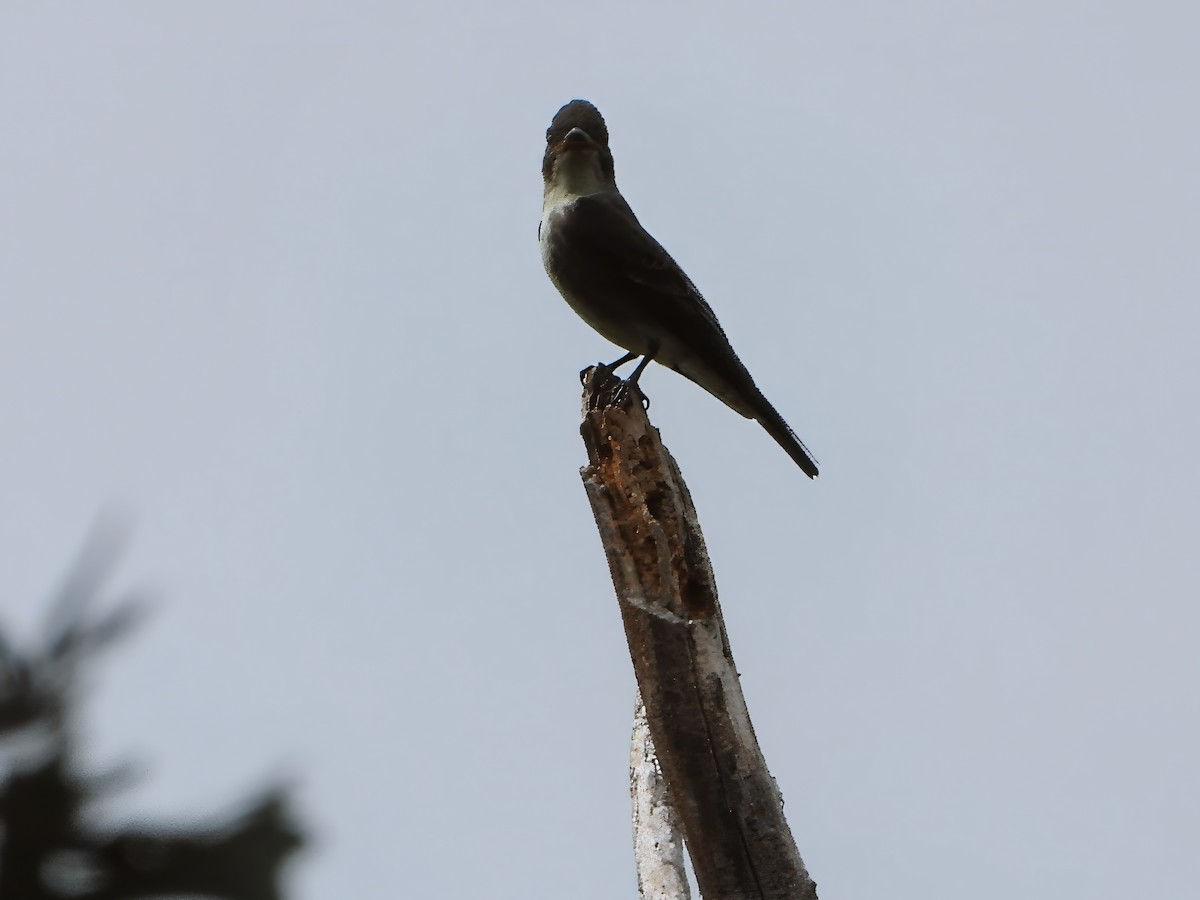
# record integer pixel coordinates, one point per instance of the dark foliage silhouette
(48, 851)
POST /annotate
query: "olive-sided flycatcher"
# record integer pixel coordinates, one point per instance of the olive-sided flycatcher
(625, 285)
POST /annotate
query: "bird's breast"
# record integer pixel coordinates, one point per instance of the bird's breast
(588, 287)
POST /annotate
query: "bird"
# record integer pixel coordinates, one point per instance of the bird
(623, 283)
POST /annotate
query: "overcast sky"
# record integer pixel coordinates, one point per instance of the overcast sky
(270, 286)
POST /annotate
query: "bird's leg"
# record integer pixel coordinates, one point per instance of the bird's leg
(606, 369)
(613, 366)
(641, 367)
(632, 381)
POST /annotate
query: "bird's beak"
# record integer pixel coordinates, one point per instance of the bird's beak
(576, 139)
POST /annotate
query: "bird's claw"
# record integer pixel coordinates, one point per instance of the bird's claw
(628, 390)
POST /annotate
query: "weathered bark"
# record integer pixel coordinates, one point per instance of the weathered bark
(657, 841)
(730, 809)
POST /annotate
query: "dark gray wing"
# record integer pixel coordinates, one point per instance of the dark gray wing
(612, 248)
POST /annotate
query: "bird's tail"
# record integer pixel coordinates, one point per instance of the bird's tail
(784, 436)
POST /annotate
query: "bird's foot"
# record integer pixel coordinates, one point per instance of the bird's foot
(600, 386)
(600, 373)
(605, 389)
(630, 390)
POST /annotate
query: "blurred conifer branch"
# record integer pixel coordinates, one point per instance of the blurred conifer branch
(48, 851)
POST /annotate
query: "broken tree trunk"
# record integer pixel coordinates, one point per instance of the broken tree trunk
(717, 780)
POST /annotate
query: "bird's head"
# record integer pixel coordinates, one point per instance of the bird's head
(577, 158)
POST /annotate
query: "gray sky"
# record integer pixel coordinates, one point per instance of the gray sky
(270, 282)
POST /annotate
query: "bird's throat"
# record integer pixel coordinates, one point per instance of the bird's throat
(576, 174)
